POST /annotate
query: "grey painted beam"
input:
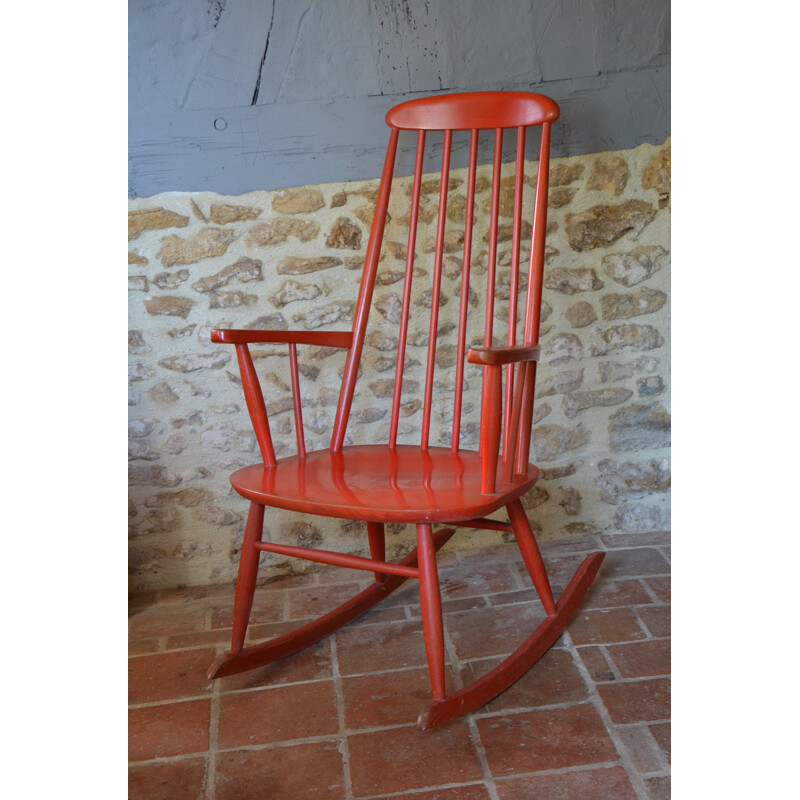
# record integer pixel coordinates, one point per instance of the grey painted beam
(236, 150)
(236, 95)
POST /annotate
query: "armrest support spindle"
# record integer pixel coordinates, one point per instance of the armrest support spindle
(493, 359)
(255, 404)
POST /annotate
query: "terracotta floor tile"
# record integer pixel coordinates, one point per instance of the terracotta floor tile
(557, 748)
(269, 630)
(311, 664)
(374, 648)
(283, 582)
(268, 606)
(192, 594)
(517, 596)
(636, 701)
(658, 788)
(161, 621)
(182, 641)
(552, 680)
(171, 729)
(479, 580)
(300, 772)
(661, 587)
(474, 791)
(657, 619)
(639, 561)
(604, 627)
(609, 783)
(172, 780)
(616, 540)
(661, 732)
(143, 647)
(492, 631)
(392, 698)
(271, 715)
(643, 750)
(494, 554)
(553, 738)
(402, 759)
(314, 601)
(167, 676)
(595, 661)
(642, 659)
(329, 574)
(560, 569)
(452, 606)
(610, 594)
(380, 615)
(573, 544)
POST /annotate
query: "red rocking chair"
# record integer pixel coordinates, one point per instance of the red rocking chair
(420, 484)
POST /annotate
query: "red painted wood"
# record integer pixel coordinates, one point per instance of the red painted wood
(326, 338)
(258, 655)
(509, 458)
(246, 579)
(431, 609)
(531, 555)
(516, 237)
(296, 401)
(377, 545)
(373, 482)
(412, 243)
(469, 110)
(491, 356)
(337, 559)
(421, 485)
(255, 404)
(436, 291)
(464, 303)
(490, 428)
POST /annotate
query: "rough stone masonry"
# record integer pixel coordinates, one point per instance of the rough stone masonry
(292, 259)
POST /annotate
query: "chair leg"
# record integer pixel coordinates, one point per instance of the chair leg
(377, 546)
(246, 579)
(531, 555)
(263, 653)
(431, 603)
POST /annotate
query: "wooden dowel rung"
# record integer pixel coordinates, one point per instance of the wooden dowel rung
(484, 523)
(255, 404)
(403, 334)
(338, 559)
(296, 402)
(462, 314)
(436, 290)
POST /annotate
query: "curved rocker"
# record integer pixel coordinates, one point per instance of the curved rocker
(287, 644)
(484, 689)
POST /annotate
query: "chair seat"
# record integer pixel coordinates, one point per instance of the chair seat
(380, 484)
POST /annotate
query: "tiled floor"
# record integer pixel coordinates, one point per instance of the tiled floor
(336, 722)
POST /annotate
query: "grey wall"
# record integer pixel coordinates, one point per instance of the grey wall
(237, 95)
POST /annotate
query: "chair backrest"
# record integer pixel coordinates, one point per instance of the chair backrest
(468, 112)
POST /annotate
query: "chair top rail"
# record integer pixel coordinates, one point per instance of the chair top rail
(473, 110)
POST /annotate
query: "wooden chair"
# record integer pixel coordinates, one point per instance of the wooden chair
(420, 484)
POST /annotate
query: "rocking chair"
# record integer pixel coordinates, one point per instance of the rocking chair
(421, 484)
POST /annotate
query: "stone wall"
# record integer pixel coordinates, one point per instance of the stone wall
(292, 259)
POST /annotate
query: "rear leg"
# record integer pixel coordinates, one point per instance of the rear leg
(531, 555)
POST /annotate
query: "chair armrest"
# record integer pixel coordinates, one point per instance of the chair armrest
(323, 338)
(497, 356)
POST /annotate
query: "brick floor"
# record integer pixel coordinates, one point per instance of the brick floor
(590, 721)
